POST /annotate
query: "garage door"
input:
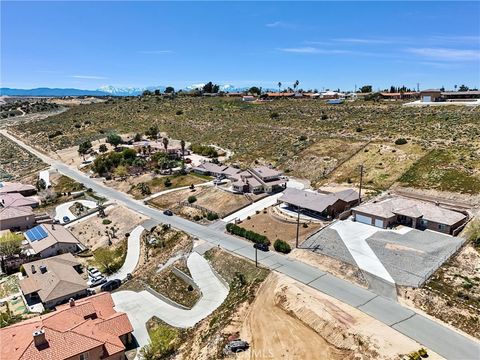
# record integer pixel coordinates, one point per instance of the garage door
(363, 219)
(427, 99)
(379, 223)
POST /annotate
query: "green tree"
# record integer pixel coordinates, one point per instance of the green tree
(84, 147)
(41, 185)
(366, 89)
(137, 137)
(295, 85)
(463, 88)
(281, 246)
(191, 199)
(182, 147)
(103, 148)
(121, 172)
(169, 90)
(152, 132)
(114, 139)
(254, 90)
(165, 144)
(279, 86)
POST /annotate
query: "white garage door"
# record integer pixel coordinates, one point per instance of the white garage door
(363, 219)
(427, 99)
(379, 223)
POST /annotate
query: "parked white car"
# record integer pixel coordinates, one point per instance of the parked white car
(93, 272)
(99, 280)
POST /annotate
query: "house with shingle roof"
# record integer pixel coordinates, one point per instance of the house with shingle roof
(52, 281)
(89, 328)
(417, 214)
(16, 217)
(47, 240)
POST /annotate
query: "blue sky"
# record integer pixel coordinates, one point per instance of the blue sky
(322, 44)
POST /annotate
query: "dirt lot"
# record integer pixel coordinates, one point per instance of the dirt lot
(333, 266)
(16, 162)
(215, 200)
(91, 232)
(453, 292)
(274, 228)
(307, 324)
(383, 164)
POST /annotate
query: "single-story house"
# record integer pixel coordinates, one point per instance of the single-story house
(53, 280)
(409, 212)
(16, 217)
(331, 95)
(399, 95)
(248, 98)
(430, 95)
(14, 187)
(86, 329)
(320, 204)
(17, 199)
(50, 240)
(209, 168)
(280, 95)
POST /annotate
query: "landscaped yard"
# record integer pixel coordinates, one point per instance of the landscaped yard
(160, 183)
(273, 228)
(9, 286)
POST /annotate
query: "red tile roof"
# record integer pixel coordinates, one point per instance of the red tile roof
(71, 330)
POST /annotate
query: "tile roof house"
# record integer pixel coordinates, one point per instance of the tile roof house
(53, 281)
(320, 204)
(257, 180)
(16, 217)
(414, 213)
(49, 240)
(84, 329)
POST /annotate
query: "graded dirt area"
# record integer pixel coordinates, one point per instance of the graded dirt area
(289, 320)
(91, 232)
(274, 228)
(211, 198)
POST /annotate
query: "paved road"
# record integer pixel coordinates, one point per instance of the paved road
(143, 305)
(431, 334)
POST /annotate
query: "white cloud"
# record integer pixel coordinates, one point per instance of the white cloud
(314, 50)
(365, 41)
(155, 52)
(280, 24)
(446, 54)
(88, 77)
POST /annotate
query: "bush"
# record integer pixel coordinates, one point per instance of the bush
(197, 218)
(106, 222)
(400, 141)
(274, 115)
(167, 182)
(211, 216)
(179, 112)
(359, 129)
(282, 246)
(191, 199)
(247, 234)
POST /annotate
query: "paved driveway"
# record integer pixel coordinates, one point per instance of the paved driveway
(64, 209)
(133, 254)
(142, 306)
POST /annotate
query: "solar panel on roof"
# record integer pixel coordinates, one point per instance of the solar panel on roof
(36, 234)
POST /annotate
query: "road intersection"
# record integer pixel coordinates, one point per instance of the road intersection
(434, 335)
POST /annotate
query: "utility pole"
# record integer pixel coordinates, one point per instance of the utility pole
(360, 188)
(298, 226)
(256, 258)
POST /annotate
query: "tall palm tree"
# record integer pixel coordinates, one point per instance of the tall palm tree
(295, 84)
(279, 86)
(165, 144)
(182, 146)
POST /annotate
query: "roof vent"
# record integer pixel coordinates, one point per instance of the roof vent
(39, 338)
(33, 269)
(71, 302)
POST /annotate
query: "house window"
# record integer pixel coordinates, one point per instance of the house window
(84, 356)
(442, 226)
(424, 222)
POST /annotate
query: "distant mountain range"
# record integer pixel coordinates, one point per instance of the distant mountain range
(102, 91)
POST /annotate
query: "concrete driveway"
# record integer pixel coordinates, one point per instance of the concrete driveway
(141, 306)
(133, 254)
(64, 209)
